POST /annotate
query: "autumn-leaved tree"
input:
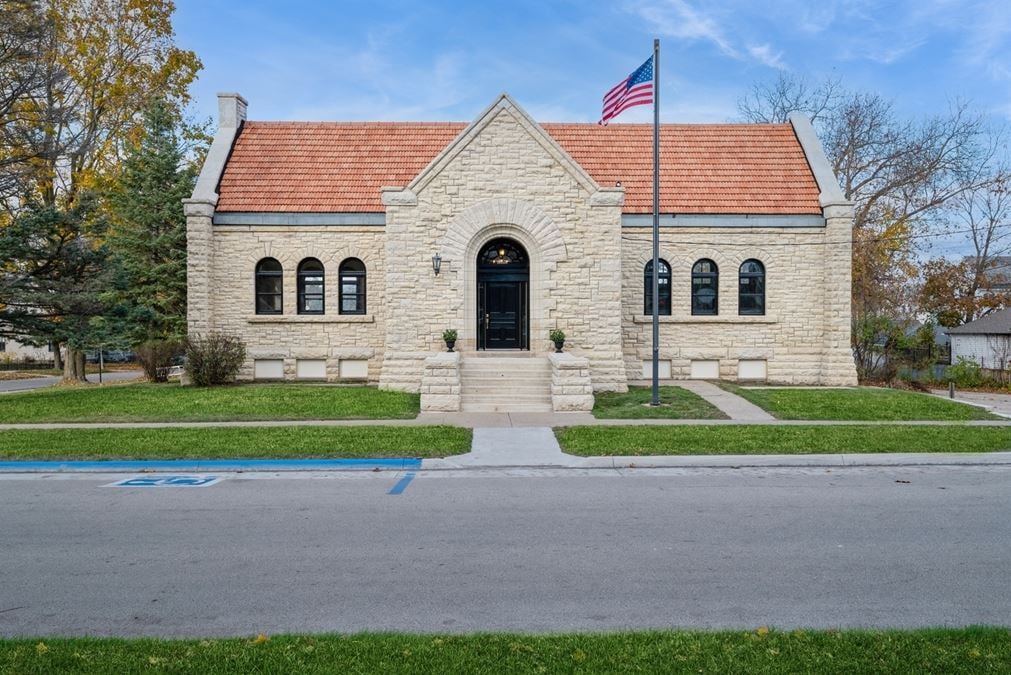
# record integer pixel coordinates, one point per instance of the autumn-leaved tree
(101, 61)
(901, 174)
(956, 292)
(148, 233)
(87, 69)
(23, 40)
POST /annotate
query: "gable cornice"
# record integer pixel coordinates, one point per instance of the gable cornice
(504, 103)
(828, 184)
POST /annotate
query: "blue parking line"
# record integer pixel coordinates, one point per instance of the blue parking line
(402, 484)
(202, 465)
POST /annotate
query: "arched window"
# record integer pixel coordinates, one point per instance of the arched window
(269, 286)
(751, 288)
(705, 287)
(352, 286)
(310, 287)
(663, 284)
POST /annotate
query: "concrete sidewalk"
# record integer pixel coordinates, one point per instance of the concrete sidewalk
(493, 447)
(496, 420)
(733, 406)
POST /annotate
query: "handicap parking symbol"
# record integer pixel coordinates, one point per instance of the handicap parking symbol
(167, 481)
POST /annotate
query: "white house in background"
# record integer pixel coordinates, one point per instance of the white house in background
(12, 350)
(987, 341)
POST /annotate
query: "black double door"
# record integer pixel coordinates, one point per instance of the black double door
(502, 313)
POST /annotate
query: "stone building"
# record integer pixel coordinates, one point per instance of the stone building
(342, 251)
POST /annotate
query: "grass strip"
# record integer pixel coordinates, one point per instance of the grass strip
(859, 403)
(956, 650)
(675, 403)
(146, 402)
(775, 440)
(235, 442)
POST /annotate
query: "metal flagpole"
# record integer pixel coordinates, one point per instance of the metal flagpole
(656, 223)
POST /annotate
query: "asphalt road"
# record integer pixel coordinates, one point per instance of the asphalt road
(559, 550)
(48, 381)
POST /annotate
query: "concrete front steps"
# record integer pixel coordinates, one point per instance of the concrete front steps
(497, 382)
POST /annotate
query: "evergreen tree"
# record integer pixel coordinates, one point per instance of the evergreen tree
(55, 273)
(148, 234)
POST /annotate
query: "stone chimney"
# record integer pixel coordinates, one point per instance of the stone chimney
(231, 109)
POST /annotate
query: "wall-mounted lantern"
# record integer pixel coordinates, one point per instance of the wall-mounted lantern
(436, 263)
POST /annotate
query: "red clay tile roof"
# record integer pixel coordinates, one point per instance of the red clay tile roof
(333, 167)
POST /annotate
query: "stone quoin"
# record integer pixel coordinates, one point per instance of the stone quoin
(315, 243)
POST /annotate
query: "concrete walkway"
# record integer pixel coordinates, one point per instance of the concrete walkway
(495, 447)
(732, 405)
(998, 404)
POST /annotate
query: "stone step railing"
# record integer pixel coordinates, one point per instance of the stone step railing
(571, 388)
(440, 383)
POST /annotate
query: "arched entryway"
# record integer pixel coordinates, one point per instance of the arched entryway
(503, 295)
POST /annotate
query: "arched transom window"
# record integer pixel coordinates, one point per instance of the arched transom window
(269, 287)
(705, 288)
(311, 283)
(751, 288)
(352, 286)
(663, 286)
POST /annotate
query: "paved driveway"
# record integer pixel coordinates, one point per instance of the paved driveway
(43, 382)
(998, 404)
(500, 550)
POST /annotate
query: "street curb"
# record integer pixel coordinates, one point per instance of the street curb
(203, 465)
(801, 461)
(742, 461)
(451, 463)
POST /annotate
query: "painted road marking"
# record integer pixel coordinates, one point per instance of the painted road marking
(179, 466)
(167, 481)
(402, 484)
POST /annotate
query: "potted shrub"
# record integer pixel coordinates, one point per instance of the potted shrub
(558, 337)
(449, 336)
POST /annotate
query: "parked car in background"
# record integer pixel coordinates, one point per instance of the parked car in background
(111, 356)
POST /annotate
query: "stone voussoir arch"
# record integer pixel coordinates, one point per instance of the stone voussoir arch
(285, 258)
(517, 213)
(646, 256)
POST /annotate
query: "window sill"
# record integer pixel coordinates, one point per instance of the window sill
(732, 318)
(311, 318)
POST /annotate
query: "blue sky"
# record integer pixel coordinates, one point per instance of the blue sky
(442, 60)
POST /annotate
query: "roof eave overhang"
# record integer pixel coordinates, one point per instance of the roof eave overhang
(631, 220)
(728, 220)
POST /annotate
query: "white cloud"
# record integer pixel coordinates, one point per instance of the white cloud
(679, 19)
(763, 54)
(676, 18)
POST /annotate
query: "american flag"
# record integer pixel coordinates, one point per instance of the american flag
(636, 89)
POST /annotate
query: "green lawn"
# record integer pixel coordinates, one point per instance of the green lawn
(956, 650)
(171, 402)
(861, 403)
(234, 442)
(675, 403)
(772, 440)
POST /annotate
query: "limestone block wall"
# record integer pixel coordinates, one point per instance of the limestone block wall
(504, 182)
(332, 337)
(571, 387)
(804, 334)
(440, 383)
